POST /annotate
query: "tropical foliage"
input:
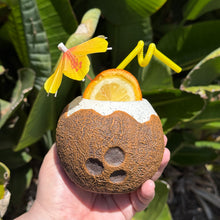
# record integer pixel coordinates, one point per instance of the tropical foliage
(188, 103)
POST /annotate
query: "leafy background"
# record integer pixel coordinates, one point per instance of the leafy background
(188, 103)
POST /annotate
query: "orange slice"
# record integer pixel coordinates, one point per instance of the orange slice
(114, 85)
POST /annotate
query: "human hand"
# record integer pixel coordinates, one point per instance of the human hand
(59, 198)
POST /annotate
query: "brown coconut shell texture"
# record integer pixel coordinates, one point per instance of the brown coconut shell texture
(109, 154)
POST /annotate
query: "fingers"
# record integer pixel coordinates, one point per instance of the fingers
(165, 140)
(164, 162)
(141, 198)
(48, 162)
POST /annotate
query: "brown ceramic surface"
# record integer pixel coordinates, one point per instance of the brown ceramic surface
(109, 154)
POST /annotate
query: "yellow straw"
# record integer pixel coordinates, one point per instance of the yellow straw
(144, 61)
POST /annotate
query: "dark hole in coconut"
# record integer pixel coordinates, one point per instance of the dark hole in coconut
(94, 166)
(114, 156)
(118, 176)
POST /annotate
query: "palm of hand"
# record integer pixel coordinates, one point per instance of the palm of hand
(59, 198)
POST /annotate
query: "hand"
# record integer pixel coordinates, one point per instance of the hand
(59, 198)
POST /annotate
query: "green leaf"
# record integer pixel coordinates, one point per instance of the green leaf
(210, 114)
(141, 30)
(160, 199)
(175, 140)
(12, 130)
(127, 11)
(174, 106)
(123, 25)
(145, 8)
(2, 70)
(46, 109)
(58, 22)
(165, 214)
(211, 126)
(190, 156)
(14, 159)
(157, 205)
(211, 144)
(115, 12)
(4, 178)
(189, 44)
(2, 191)
(211, 6)
(203, 89)
(5, 108)
(42, 117)
(19, 183)
(86, 28)
(4, 174)
(195, 8)
(32, 27)
(23, 86)
(15, 30)
(156, 75)
(205, 72)
(36, 38)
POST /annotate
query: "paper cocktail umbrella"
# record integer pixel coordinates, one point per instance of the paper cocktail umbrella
(74, 62)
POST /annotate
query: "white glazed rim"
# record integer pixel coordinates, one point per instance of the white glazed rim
(141, 111)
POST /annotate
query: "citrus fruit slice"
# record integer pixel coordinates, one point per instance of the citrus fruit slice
(114, 85)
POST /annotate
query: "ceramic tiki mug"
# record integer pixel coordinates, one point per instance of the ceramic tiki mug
(110, 140)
